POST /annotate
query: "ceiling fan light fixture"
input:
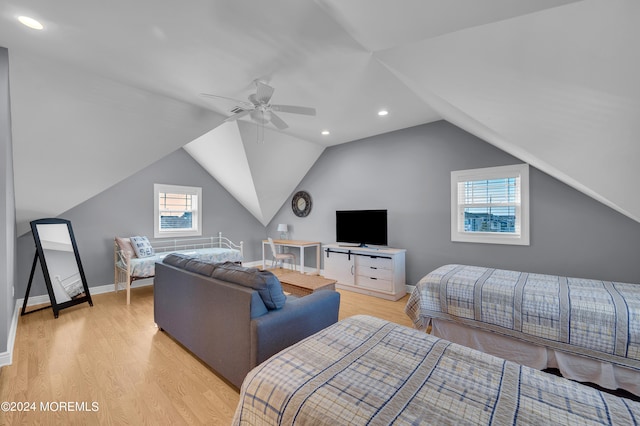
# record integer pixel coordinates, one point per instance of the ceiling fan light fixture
(260, 109)
(325, 133)
(383, 112)
(30, 22)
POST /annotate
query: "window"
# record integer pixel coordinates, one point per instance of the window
(177, 211)
(491, 205)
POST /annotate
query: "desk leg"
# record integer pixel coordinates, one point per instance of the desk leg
(318, 259)
(302, 259)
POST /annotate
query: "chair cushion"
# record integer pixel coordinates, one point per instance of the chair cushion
(264, 282)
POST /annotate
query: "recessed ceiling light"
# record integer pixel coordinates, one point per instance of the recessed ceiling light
(30, 22)
(383, 112)
(325, 132)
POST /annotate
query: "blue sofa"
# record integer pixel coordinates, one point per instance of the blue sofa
(233, 317)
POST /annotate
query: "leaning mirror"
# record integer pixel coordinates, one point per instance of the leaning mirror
(57, 252)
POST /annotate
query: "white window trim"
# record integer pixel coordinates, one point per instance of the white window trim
(457, 216)
(159, 188)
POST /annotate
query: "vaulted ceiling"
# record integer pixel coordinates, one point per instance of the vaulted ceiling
(107, 88)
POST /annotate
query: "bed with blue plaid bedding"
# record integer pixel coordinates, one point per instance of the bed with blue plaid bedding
(590, 318)
(364, 370)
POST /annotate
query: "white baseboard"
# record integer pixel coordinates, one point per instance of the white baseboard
(6, 358)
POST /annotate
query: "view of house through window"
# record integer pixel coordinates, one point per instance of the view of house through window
(490, 205)
(177, 210)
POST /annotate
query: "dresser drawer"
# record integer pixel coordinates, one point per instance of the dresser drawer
(373, 283)
(374, 272)
(375, 262)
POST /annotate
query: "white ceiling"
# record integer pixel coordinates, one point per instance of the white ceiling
(117, 84)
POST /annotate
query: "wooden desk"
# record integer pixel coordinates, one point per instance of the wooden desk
(302, 245)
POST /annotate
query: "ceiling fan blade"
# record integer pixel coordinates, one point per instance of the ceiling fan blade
(237, 101)
(238, 115)
(264, 92)
(278, 122)
(294, 109)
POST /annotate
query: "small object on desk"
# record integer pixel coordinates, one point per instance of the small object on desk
(283, 229)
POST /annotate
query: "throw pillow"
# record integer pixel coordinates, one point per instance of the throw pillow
(124, 244)
(267, 284)
(142, 246)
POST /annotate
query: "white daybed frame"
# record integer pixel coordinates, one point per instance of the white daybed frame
(122, 267)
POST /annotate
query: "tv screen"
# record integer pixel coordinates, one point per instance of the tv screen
(361, 227)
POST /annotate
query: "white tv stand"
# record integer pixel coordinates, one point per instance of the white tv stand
(376, 271)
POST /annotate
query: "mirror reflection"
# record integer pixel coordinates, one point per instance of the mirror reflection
(64, 274)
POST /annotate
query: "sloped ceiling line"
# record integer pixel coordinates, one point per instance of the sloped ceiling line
(552, 82)
(261, 175)
(542, 96)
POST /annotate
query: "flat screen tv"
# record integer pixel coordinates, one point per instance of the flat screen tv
(361, 227)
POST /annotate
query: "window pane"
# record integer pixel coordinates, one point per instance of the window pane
(496, 201)
(170, 220)
(490, 219)
(181, 202)
(491, 205)
(176, 210)
(490, 191)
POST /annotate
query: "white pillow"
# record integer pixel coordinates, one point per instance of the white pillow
(142, 246)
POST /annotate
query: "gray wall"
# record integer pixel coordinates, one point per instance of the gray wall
(126, 209)
(7, 207)
(407, 172)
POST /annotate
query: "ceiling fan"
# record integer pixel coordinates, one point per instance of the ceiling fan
(260, 109)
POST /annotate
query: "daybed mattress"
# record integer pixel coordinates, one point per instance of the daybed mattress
(145, 266)
(365, 370)
(590, 318)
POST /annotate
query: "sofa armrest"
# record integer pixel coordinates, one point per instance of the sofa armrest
(298, 319)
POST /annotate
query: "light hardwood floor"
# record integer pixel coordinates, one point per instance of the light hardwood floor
(111, 363)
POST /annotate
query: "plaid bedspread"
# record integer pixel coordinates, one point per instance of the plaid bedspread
(365, 370)
(596, 319)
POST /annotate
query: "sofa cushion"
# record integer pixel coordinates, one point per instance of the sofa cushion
(264, 282)
(190, 264)
(201, 267)
(176, 259)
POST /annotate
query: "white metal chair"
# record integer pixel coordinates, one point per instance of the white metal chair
(281, 257)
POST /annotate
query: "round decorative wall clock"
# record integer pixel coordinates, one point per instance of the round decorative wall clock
(301, 203)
